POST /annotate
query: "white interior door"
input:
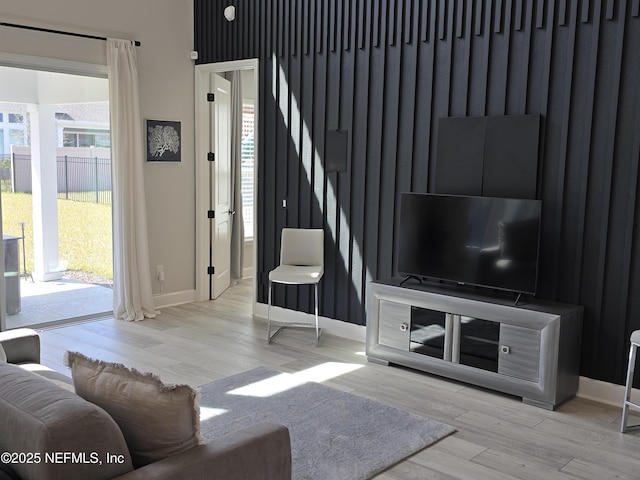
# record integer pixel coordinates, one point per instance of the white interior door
(220, 185)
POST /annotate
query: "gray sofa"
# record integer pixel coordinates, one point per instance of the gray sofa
(52, 433)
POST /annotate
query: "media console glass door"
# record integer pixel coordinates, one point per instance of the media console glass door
(455, 338)
(431, 333)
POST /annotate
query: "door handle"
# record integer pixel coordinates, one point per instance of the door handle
(231, 212)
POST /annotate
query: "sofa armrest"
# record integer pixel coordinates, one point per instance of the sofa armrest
(21, 345)
(259, 452)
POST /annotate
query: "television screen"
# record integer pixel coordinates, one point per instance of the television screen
(480, 241)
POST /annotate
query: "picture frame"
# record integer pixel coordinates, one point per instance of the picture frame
(164, 141)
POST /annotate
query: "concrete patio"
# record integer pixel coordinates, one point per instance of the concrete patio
(45, 303)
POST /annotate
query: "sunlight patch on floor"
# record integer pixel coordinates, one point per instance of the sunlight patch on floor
(208, 412)
(286, 381)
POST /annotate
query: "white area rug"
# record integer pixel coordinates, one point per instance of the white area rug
(334, 435)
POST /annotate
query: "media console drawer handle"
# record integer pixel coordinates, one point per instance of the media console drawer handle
(404, 327)
(505, 349)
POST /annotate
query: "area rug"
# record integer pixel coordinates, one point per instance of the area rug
(334, 435)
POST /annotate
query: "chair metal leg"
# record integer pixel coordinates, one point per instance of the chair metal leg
(269, 316)
(281, 326)
(627, 390)
(317, 327)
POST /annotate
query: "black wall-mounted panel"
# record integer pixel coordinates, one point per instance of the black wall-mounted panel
(490, 156)
(335, 158)
(573, 63)
(511, 156)
(459, 156)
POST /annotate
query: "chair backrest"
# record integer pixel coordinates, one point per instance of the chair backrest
(302, 246)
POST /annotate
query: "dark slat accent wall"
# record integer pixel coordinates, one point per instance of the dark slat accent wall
(385, 71)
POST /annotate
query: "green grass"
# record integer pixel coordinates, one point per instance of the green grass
(84, 232)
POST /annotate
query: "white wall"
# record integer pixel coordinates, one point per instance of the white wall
(166, 76)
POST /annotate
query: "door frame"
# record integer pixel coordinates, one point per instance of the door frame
(202, 73)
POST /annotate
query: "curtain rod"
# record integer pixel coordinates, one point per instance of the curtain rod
(60, 32)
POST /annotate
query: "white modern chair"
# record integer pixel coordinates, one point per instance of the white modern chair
(635, 342)
(301, 263)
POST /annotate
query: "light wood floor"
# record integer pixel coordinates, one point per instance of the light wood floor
(498, 437)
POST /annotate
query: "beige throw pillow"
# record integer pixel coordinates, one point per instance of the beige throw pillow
(157, 420)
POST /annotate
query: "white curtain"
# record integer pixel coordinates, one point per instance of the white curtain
(132, 296)
(237, 227)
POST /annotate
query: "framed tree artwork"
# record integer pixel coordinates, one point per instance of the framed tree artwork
(164, 141)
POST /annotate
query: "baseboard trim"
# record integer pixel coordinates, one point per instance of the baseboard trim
(329, 325)
(603, 392)
(164, 300)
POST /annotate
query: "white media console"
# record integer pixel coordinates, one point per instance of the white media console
(530, 350)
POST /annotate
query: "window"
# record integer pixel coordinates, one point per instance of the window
(16, 118)
(246, 163)
(16, 137)
(85, 138)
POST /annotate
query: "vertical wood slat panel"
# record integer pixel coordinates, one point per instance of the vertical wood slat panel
(252, 30)
(375, 123)
(562, 13)
(318, 25)
(450, 36)
(520, 66)
(307, 8)
(376, 19)
(390, 126)
(497, 23)
(584, 151)
(337, 25)
(562, 111)
(429, 63)
(294, 26)
(416, 18)
(584, 18)
(518, 15)
(611, 9)
(459, 20)
(409, 16)
(540, 13)
(342, 183)
(392, 17)
(442, 20)
(347, 23)
(478, 17)
(281, 26)
(500, 50)
(362, 22)
(484, 60)
(537, 21)
(359, 192)
(614, 64)
(424, 21)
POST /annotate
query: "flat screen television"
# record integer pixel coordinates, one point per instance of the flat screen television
(479, 241)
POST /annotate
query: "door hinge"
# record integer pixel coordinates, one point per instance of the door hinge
(211, 270)
(211, 214)
(211, 156)
(210, 97)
